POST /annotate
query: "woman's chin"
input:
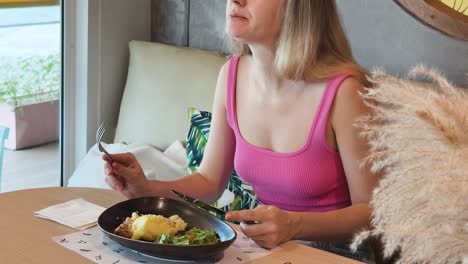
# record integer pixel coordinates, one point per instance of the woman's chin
(237, 33)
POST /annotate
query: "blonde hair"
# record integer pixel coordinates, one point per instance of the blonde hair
(312, 44)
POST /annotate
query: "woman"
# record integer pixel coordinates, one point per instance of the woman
(283, 117)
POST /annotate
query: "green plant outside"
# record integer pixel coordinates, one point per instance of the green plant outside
(30, 80)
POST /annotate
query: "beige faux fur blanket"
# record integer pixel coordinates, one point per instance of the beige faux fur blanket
(419, 142)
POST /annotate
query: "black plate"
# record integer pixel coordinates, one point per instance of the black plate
(111, 218)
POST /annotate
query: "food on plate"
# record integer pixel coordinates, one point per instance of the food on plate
(149, 227)
(125, 229)
(162, 230)
(194, 236)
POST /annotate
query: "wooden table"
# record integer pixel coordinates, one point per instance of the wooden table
(25, 238)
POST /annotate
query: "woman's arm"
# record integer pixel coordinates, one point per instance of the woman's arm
(126, 176)
(333, 226)
(275, 226)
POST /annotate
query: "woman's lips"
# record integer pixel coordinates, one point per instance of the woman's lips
(235, 17)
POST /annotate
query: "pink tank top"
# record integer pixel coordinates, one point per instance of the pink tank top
(311, 179)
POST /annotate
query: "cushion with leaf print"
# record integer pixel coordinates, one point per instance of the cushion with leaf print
(239, 195)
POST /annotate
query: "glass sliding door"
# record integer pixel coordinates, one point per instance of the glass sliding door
(30, 89)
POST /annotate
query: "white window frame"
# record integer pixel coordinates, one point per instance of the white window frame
(81, 72)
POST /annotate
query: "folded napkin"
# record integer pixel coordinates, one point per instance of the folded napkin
(78, 214)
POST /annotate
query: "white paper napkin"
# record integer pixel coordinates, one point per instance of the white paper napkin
(78, 214)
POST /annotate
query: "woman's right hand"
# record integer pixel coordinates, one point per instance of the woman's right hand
(125, 175)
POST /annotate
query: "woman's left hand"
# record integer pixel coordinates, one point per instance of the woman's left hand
(273, 225)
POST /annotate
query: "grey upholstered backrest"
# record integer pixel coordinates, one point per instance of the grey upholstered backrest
(380, 33)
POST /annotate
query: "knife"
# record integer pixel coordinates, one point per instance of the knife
(198, 203)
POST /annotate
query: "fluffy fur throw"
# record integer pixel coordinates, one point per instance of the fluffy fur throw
(419, 142)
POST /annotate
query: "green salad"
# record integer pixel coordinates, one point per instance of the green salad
(194, 236)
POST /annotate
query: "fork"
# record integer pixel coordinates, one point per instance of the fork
(99, 133)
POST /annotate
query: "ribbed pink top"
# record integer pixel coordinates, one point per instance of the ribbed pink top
(311, 179)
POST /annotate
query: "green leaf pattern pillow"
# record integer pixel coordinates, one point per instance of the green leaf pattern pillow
(197, 138)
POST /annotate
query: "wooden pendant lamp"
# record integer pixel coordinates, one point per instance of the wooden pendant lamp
(447, 16)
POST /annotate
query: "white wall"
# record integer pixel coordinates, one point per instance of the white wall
(97, 33)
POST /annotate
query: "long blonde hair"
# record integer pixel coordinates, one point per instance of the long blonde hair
(312, 44)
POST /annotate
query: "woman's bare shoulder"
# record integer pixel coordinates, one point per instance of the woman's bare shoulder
(348, 103)
(350, 91)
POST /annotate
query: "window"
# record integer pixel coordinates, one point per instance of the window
(16, 3)
(30, 90)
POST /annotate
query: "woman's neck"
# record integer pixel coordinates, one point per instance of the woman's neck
(265, 73)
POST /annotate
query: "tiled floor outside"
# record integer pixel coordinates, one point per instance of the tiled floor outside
(31, 168)
(26, 32)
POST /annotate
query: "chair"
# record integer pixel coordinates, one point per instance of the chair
(3, 136)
